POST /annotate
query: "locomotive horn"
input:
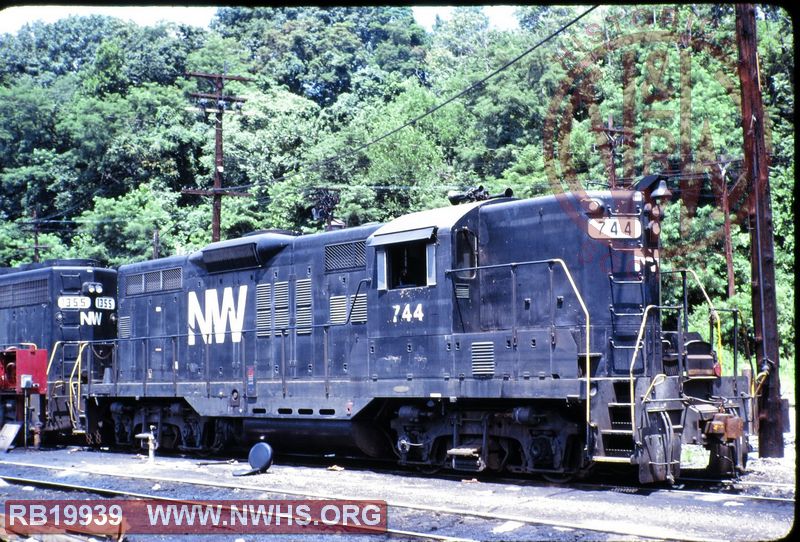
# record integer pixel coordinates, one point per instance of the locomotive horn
(507, 193)
(475, 193)
(478, 193)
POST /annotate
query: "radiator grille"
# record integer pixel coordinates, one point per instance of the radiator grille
(134, 284)
(172, 278)
(483, 359)
(154, 281)
(30, 292)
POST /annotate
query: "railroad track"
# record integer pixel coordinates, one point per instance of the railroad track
(641, 532)
(117, 493)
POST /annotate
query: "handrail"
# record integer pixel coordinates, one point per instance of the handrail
(75, 367)
(633, 362)
(53, 355)
(355, 298)
(577, 293)
(713, 311)
(588, 362)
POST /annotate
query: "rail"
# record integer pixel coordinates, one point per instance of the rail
(577, 293)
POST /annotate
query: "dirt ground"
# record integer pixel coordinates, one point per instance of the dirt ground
(772, 470)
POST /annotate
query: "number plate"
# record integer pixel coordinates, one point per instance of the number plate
(74, 302)
(106, 303)
(615, 228)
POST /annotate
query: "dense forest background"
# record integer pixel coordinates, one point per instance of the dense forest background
(98, 134)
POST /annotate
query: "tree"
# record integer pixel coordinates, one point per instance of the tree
(120, 230)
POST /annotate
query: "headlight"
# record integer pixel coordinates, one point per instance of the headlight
(99, 289)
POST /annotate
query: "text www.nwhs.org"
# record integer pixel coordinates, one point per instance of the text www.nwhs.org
(196, 517)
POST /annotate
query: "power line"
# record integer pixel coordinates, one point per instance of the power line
(429, 112)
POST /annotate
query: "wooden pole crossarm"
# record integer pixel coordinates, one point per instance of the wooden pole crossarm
(218, 76)
(217, 97)
(213, 191)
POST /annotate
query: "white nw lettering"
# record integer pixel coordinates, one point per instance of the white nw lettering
(215, 318)
(91, 318)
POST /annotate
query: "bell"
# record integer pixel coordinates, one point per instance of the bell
(662, 192)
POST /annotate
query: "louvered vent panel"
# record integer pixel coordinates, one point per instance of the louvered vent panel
(483, 359)
(338, 309)
(263, 310)
(281, 319)
(263, 297)
(303, 314)
(124, 327)
(359, 314)
(345, 256)
(282, 295)
(462, 291)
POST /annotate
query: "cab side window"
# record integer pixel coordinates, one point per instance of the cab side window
(466, 254)
(406, 265)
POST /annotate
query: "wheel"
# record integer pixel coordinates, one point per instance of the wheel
(560, 477)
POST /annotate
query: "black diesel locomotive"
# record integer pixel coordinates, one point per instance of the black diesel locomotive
(503, 334)
(516, 335)
(57, 320)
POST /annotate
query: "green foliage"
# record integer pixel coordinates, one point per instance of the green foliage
(120, 230)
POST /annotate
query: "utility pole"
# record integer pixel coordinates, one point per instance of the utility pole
(614, 138)
(756, 164)
(220, 102)
(719, 183)
(36, 246)
(156, 244)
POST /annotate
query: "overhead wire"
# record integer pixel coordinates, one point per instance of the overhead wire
(467, 90)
